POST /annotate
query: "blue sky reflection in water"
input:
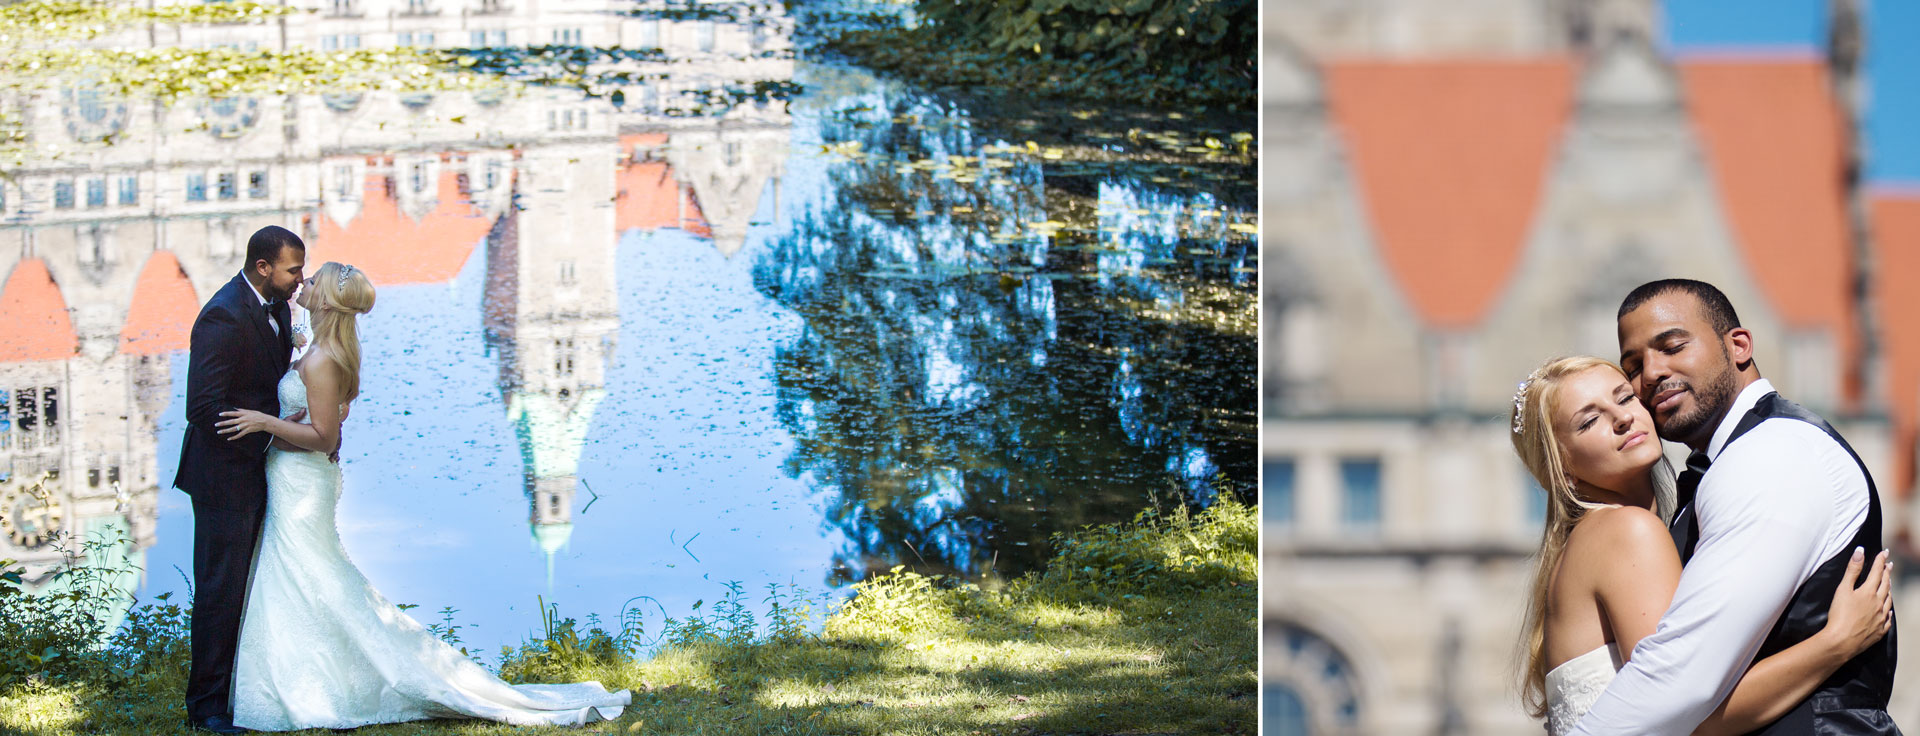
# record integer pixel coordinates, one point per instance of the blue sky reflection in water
(881, 327)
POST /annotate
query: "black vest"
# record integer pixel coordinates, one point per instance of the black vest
(1854, 700)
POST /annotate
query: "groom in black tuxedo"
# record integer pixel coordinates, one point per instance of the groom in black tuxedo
(240, 349)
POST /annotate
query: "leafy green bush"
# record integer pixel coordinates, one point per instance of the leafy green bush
(1168, 554)
(564, 649)
(62, 634)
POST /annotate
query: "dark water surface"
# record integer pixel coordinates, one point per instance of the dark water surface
(622, 350)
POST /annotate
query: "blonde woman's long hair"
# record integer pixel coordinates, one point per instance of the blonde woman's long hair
(341, 293)
(1539, 448)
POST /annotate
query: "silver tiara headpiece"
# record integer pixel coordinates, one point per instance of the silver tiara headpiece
(1520, 402)
(345, 272)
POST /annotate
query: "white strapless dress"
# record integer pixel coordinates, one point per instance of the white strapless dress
(320, 648)
(1573, 687)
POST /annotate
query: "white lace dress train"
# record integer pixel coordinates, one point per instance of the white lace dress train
(320, 648)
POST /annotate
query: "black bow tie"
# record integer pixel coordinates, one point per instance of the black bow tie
(1689, 482)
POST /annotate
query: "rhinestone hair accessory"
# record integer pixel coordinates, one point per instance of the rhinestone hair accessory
(1520, 402)
(345, 272)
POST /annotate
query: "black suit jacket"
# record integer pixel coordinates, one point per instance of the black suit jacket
(235, 362)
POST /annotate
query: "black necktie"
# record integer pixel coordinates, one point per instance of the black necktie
(1689, 484)
(1686, 525)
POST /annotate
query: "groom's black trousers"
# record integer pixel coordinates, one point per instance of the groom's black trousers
(223, 545)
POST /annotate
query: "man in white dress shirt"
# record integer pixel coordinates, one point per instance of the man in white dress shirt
(1771, 499)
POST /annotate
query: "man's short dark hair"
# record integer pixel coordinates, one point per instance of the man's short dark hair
(267, 242)
(1719, 311)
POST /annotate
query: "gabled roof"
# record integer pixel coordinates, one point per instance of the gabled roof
(394, 248)
(1451, 159)
(1896, 240)
(160, 319)
(1774, 139)
(647, 196)
(34, 324)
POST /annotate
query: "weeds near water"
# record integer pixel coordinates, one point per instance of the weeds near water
(1091, 642)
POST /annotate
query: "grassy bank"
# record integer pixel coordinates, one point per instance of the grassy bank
(1147, 627)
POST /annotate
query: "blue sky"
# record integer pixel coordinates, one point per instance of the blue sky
(1893, 62)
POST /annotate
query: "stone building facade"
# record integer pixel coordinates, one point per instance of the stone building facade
(108, 251)
(1451, 197)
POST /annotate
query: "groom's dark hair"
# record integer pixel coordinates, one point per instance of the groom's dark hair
(1719, 311)
(267, 242)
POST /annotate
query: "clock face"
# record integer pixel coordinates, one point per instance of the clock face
(230, 117)
(29, 519)
(91, 116)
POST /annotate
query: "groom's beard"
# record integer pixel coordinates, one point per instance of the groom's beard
(1710, 401)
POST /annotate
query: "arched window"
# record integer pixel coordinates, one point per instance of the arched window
(1282, 711)
(1310, 687)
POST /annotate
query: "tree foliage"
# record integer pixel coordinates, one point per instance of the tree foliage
(1163, 52)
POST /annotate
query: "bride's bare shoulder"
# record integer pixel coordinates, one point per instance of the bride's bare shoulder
(1616, 527)
(318, 367)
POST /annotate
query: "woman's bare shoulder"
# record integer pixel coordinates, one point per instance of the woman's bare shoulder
(1611, 531)
(318, 366)
(1614, 535)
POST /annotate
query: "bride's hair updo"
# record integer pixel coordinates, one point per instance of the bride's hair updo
(340, 294)
(1540, 450)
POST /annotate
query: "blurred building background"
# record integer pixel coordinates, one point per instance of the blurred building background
(1453, 192)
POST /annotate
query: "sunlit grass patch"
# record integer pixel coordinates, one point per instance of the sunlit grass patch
(1154, 630)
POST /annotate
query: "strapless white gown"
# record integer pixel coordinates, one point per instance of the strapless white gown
(320, 648)
(1573, 687)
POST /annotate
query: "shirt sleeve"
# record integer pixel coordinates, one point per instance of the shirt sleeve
(1764, 524)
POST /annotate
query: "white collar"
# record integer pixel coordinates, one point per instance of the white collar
(1741, 405)
(256, 292)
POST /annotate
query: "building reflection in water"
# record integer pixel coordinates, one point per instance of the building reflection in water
(944, 386)
(108, 253)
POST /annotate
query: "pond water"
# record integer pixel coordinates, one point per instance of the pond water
(631, 348)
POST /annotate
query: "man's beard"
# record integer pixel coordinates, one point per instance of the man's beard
(1710, 402)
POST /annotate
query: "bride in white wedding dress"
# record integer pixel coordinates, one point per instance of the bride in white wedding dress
(319, 647)
(1608, 568)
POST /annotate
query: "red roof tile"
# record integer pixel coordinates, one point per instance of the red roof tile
(1773, 136)
(1451, 158)
(647, 197)
(160, 320)
(392, 247)
(34, 324)
(1896, 240)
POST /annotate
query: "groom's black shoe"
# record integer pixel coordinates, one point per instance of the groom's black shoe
(216, 724)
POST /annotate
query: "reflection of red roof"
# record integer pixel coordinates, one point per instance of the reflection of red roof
(161, 317)
(1774, 139)
(1451, 156)
(392, 247)
(34, 324)
(1896, 241)
(647, 197)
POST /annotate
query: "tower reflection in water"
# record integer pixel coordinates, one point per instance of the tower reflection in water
(107, 253)
(936, 353)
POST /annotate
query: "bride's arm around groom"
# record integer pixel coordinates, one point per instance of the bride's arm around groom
(1739, 581)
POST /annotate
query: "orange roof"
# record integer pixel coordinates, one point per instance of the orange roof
(160, 320)
(34, 324)
(1451, 157)
(394, 248)
(631, 141)
(1774, 139)
(1896, 241)
(648, 198)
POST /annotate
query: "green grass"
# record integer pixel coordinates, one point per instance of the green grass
(1148, 627)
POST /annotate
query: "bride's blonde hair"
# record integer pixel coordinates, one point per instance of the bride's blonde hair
(341, 293)
(1539, 448)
